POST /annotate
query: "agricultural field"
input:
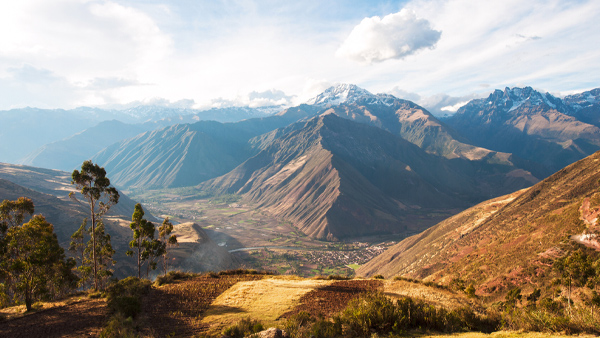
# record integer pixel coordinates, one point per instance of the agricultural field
(260, 240)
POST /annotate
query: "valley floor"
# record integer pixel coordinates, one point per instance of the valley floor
(261, 241)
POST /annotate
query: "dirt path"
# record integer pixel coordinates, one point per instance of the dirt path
(82, 319)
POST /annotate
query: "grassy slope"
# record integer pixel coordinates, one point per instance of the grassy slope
(513, 246)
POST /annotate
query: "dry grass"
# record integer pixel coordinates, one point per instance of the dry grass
(501, 334)
(20, 310)
(431, 295)
(265, 299)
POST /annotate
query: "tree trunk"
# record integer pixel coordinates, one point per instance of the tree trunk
(92, 203)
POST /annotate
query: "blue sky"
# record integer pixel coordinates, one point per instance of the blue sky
(69, 53)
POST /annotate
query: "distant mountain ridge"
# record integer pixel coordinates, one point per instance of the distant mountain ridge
(531, 125)
(45, 126)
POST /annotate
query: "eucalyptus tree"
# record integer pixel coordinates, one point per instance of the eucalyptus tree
(164, 235)
(99, 196)
(147, 248)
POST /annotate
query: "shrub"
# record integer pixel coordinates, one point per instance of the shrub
(323, 328)
(125, 296)
(117, 327)
(244, 272)
(376, 313)
(338, 277)
(296, 325)
(243, 328)
(378, 277)
(172, 276)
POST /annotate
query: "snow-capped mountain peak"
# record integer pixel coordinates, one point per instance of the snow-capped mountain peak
(583, 100)
(349, 93)
(342, 93)
(513, 98)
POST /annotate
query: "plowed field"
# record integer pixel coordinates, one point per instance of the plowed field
(331, 299)
(176, 309)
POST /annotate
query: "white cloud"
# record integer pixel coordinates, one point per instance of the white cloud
(454, 108)
(394, 36)
(254, 99)
(87, 43)
(96, 52)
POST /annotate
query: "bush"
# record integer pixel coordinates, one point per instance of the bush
(244, 272)
(376, 313)
(542, 320)
(125, 296)
(243, 328)
(117, 327)
(378, 277)
(172, 276)
(323, 328)
(338, 277)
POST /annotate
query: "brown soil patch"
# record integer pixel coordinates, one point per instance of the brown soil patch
(331, 299)
(84, 318)
(177, 309)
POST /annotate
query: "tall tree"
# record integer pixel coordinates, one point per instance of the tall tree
(77, 247)
(163, 234)
(104, 253)
(34, 260)
(143, 234)
(12, 213)
(95, 189)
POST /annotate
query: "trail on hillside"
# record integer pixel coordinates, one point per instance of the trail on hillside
(84, 318)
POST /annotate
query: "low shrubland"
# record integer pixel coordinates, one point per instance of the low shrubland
(374, 313)
(243, 328)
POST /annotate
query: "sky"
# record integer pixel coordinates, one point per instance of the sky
(219, 53)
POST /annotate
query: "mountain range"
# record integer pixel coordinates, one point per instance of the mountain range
(46, 135)
(295, 166)
(534, 126)
(335, 178)
(348, 163)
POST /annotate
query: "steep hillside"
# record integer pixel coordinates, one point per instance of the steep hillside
(507, 241)
(334, 178)
(70, 152)
(529, 124)
(185, 154)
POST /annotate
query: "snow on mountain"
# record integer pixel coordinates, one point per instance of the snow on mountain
(349, 93)
(512, 98)
(583, 100)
